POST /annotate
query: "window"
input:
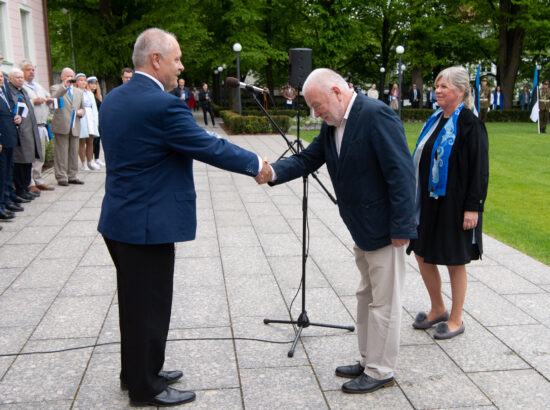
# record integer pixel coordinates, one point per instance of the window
(4, 30)
(26, 34)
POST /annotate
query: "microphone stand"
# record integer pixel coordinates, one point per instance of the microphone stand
(303, 320)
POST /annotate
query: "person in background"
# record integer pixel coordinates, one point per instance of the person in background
(394, 97)
(181, 91)
(95, 89)
(197, 102)
(414, 97)
(29, 146)
(289, 93)
(450, 198)
(205, 98)
(497, 99)
(484, 100)
(525, 99)
(88, 125)
(126, 74)
(40, 100)
(430, 99)
(373, 92)
(544, 106)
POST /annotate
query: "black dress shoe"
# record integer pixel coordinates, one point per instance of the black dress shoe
(366, 384)
(171, 376)
(62, 183)
(76, 181)
(35, 194)
(168, 397)
(26, 195)
(352, 371)
(19, 200)
(6, 214)
(12, 206)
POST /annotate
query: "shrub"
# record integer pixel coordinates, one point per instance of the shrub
(253, 124)
(422, 114)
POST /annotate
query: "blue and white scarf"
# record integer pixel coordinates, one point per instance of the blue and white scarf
(441, 151)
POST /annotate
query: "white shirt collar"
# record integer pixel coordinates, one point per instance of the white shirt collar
(152, 78)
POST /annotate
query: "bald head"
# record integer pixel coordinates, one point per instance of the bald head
(324, 79)
(152, 40)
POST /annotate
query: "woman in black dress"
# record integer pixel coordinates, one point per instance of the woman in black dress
(452, 173)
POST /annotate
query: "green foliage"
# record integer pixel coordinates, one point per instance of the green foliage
(48, 157)
(252, 124)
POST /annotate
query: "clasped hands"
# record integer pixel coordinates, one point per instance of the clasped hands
(266, 174)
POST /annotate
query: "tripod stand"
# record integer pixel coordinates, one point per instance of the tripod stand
(303, 320)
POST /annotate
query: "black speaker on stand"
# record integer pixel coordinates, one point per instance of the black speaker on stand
(299, 69)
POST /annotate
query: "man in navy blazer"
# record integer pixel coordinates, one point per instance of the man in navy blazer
(150, 140)
(363, 144)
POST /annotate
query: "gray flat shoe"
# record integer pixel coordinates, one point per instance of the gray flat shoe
(442, 331)
(421, 320)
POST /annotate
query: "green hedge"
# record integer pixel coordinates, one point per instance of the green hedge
(422, 114)
(253, 124)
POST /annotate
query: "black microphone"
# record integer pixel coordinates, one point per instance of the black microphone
(234, 83)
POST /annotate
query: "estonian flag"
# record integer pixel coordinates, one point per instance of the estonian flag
(535, 97)
(478, 89)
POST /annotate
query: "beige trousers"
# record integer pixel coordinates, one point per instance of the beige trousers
(65, 157)
(379, 308)
(36, 176)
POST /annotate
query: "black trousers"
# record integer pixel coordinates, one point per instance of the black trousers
(21, 177)
(97, 147)
(145, 283)
(208, 108)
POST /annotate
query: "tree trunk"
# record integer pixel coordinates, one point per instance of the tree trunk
(509, 50)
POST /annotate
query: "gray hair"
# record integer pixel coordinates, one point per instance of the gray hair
(151, 40)
(14, 71)
(325, 79)
(24, 63)
(66, 70)
(458, 77)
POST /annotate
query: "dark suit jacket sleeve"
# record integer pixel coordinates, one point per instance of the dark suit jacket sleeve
(184, 135)
(303, 163)
(395, 161)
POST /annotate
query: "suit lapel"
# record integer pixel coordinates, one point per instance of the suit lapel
(349, 131)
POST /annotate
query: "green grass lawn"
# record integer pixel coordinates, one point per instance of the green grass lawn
(517, 211)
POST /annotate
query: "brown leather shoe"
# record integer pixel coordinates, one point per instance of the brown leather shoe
(34, 189)
(45, 187)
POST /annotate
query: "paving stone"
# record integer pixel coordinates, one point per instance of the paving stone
(206, 229)
(110, 333)
(40, 405)
(91, 281)
(491, 309)
(281, 387)
(530, 342)
(34, 234)
(97, 254)
(16, 256)
(237, 263)
(341, 273)
(77, 195)
(255, 296)
(430, 379)
(50, 218)
(205, 214)
(203, 247)
(230, 399)
(415, 296)
(70, 207)
(45, 273)
(261, 209)
(280, 244)
(189, 272)
(392, 398)
(88, 214)
(228, 204)
(79, 228)
(236, 236)
(288, 272)
(12, 339)
(503, 281)
(271, 224)
(7, 276)
(477, 350)
(15, 225)
(206, 364)
(199, 306)
(74, 316)
(231, 218)
(535, 305)
(66, 247)
(528, 390)
(59, 373)
(24, 307)
(410, 335)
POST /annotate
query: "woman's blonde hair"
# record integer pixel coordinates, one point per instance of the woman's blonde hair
(458, 77)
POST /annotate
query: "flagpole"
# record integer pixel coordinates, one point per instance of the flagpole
(538, 100)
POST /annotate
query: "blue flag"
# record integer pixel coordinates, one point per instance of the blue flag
(535, 79)
(477, 87)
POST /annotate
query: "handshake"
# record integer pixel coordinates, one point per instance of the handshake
(266, 174)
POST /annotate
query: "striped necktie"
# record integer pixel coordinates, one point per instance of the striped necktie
(71, 93)
(4, 97)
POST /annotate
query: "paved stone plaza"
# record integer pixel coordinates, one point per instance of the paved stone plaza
(58, 290)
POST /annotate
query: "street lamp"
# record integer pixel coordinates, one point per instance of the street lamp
(382, 71)
(237, 49)
(400, 50)
(220, 97)
(67, 11)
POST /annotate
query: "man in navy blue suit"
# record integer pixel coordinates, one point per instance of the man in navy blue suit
(150, 140)
(363, 144)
